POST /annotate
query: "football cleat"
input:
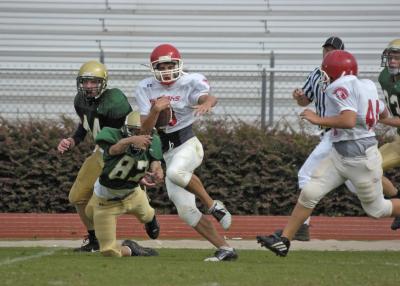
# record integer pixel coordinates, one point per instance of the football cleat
(277, 244)
(221, 214)
(89, 244)
(396, 223)
(152, 228)
(223, 255)
(137, 250)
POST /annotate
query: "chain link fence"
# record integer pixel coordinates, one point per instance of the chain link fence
(260, 97)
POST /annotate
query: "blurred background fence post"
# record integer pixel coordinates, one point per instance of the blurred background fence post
(271, 89)
(263, 97)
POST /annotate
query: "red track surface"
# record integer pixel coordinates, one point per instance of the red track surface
(68, 226)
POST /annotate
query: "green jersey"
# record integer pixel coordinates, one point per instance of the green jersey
(110, 110)
(124, 171)
(391, 90)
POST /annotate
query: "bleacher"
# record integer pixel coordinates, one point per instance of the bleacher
(43, 43)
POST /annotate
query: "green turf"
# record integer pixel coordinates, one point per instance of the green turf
(49, 266)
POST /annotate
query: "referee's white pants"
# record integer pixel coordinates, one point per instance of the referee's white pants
(181, 163)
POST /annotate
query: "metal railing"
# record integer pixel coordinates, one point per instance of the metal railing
(260, 96)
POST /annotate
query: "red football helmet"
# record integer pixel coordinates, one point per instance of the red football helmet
(166, 53)
(336, 64)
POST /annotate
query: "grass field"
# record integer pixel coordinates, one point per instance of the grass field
(175, 267)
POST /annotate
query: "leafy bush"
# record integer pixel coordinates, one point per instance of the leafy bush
(253, 171)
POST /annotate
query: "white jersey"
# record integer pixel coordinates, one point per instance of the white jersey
(360, 96)
(183, 94)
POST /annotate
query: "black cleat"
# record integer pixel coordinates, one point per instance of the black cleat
(89, 244)
(152, 228)
(223, 255)
(277, 244)
(396, 223)
(138, 250)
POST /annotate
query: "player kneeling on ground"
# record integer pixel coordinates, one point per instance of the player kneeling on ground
(127, 159)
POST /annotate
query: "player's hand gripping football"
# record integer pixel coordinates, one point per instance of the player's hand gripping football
(160, 103)
(162, 106)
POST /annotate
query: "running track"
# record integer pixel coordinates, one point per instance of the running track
(68, 226)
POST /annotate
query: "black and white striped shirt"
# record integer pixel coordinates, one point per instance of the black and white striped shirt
(312, 90)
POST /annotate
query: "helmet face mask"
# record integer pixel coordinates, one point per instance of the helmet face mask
(324, 80)
(166, 64)
(167, 72)
(92, 80)
(90, 87)
(391, 57)
(132, 124)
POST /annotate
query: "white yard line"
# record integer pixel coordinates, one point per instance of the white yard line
(23, 258)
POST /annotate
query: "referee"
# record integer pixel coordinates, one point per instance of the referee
(312, 92)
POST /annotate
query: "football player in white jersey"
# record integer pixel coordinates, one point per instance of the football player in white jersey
(188, 96)
(312, 92)
(352, 112)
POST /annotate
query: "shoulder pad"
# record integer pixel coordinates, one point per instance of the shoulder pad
(114, 104)
(108, 136)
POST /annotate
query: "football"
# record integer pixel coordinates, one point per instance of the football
(164, 118)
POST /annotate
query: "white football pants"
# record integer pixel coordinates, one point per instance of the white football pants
(181, 163)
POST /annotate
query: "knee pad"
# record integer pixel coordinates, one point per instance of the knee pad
(189, 214)
(310, 196)
(178, 177)
(378, 208)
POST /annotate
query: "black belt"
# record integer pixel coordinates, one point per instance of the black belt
(175, 139)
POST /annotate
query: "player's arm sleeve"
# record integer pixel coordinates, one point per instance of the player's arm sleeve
(148, 117)
(311, 82)
(155, 149)
(344, 99)
(199, 87)
(383, 111)
(107, 137)
(142, 101)
(79, 134)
